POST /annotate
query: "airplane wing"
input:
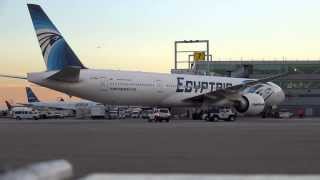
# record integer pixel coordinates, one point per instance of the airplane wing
(230, 92)
(30, 105)
(23, 104)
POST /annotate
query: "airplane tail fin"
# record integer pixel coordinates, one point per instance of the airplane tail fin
(56, 52)
(31, 96)
(8, 105)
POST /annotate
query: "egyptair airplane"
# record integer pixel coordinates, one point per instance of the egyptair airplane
(65, 73)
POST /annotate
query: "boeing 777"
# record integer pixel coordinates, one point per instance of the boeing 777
(65, 73)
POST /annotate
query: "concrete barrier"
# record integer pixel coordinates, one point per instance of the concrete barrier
(197, 177)
(62, 170)
(51, 170)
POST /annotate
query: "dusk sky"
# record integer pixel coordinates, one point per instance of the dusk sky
(139, 34)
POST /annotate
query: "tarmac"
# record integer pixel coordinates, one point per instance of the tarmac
(246, 146)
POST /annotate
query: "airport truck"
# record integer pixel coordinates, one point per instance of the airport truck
(216, 114)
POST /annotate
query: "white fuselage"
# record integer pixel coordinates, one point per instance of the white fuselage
(147, 89)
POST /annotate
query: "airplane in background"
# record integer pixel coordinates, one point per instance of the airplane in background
(65, 73)
(34, 102)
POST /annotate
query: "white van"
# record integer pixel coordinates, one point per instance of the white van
(24, 113)
(98, 111)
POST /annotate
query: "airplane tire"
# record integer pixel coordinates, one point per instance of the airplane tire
(231, 118)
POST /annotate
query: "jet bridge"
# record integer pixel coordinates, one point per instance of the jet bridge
(188, 52)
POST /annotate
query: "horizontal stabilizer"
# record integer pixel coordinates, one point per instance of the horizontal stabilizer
(67, 74)
(12, 76)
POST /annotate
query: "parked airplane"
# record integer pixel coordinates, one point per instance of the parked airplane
(65, 73)
(34, 102)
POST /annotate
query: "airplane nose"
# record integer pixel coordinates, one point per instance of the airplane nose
(277, 96)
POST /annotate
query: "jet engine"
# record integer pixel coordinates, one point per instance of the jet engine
(250, 104)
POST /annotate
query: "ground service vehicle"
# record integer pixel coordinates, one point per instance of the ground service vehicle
(58, 115)
(216, 114)
(135, 114)
(160, 114)
(284, 114)
(98, 112)
(113, 115)
(24, 113)
(145, 114)
(122, 114)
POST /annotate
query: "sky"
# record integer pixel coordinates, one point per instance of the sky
(140, 34)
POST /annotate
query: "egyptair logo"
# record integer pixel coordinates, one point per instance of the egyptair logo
(47, 40)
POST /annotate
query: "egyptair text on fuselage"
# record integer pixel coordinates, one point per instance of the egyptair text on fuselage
(189, 86)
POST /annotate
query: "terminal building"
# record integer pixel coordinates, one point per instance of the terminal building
(302, 85)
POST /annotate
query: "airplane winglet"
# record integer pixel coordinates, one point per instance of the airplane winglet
(67, 74)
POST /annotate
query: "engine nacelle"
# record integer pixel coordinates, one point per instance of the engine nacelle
(250, 104)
